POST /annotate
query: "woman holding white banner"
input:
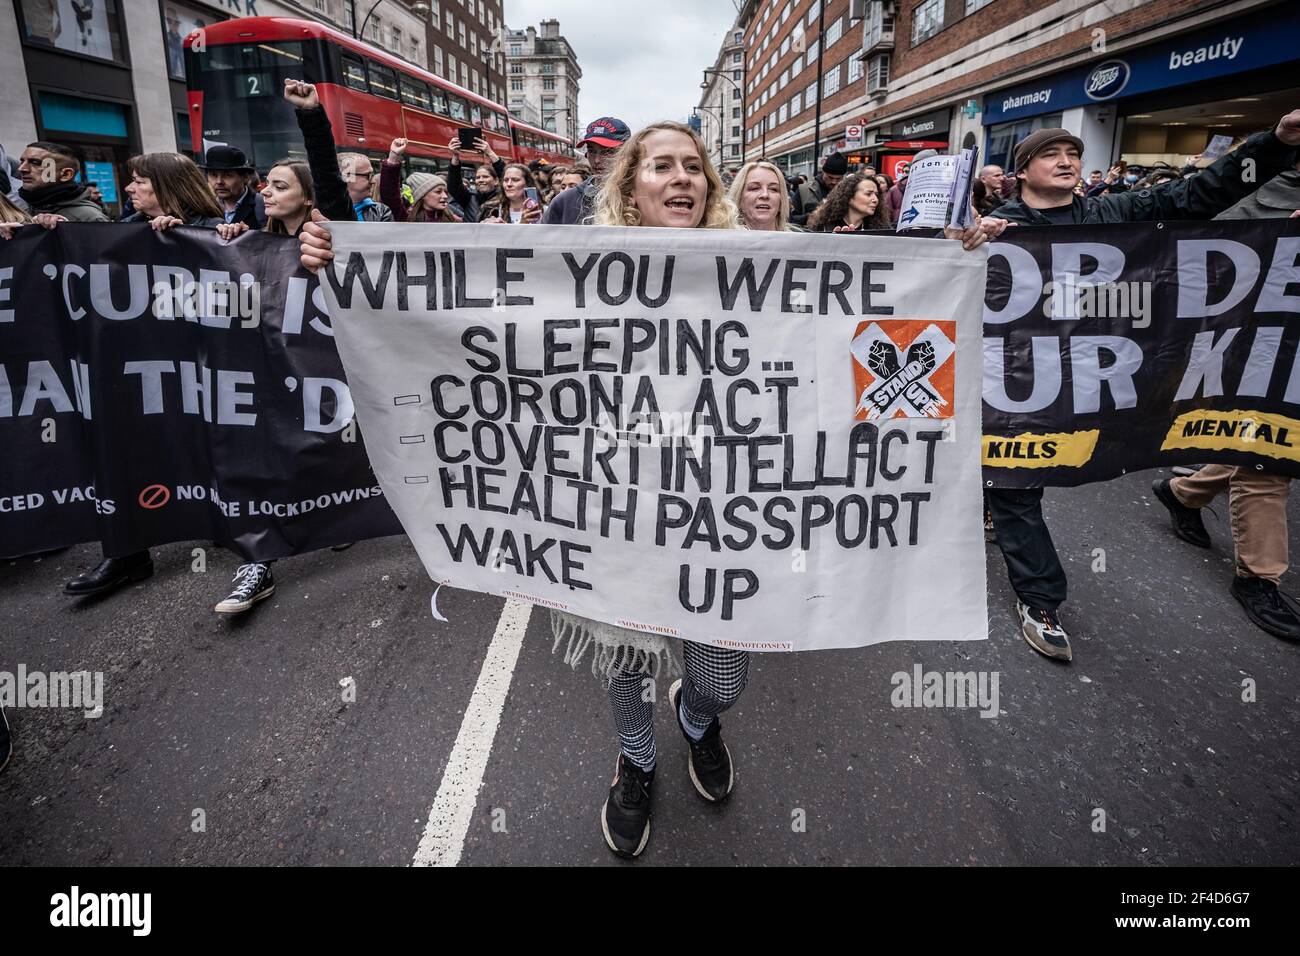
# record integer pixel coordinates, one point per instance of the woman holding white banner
(290, 197)
(661, 177)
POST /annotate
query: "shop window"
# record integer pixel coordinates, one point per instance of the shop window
(179, 22)
(1001, 139)
(96, 34)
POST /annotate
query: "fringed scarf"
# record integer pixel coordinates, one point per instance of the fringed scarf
(615, 651)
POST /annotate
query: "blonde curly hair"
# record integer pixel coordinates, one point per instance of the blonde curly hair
(614, 203)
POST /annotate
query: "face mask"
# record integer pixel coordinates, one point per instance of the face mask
(1130, 178)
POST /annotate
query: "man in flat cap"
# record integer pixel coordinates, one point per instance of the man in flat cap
(1049, 164)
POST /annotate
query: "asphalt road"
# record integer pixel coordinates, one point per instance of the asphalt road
(243, 724)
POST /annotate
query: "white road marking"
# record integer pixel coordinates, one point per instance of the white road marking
(453, 807)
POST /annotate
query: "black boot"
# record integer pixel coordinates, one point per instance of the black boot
(111, 574)
(1264, 606)
(1186, 521)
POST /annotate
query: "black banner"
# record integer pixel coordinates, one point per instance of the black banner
(159, 387)
(1109, 349)
(172, 387)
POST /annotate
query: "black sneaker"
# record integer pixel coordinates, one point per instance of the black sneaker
(625, 817)
(253, 583)
(1042, 630)
(710, 760)
(1187, 521)
(6, 741)
(1265, 606)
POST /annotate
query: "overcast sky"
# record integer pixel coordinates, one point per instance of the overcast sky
(640, 62)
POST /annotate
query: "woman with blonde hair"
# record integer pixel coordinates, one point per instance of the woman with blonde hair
(11, 217)
(761, 197)
(646, 185)
(661, 177)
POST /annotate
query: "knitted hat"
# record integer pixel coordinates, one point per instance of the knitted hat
(421, 183)
(835, 165)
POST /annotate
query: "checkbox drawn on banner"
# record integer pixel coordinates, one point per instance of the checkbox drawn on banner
(407, 400)
(417, 479)
(411, 439)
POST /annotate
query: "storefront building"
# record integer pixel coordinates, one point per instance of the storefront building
(1162, 102)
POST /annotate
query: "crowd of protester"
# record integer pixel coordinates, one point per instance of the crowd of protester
(661, 176)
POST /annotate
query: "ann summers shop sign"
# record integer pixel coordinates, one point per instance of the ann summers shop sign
(1248, 43)
(933, 125)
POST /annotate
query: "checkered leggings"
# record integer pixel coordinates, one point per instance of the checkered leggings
(713, 680)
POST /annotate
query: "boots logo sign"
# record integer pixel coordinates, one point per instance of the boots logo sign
(1107, 80)
(904, 369)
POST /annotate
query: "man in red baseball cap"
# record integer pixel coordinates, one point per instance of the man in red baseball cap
(602, 140)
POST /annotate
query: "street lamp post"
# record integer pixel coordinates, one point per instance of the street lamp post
(741, 89)
(553, 113)
(419, 9)
(821, 52)
(721, 122)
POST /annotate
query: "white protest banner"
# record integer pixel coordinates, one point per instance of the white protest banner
(757, 440)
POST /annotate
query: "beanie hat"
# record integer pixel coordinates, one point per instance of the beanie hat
(421, 183)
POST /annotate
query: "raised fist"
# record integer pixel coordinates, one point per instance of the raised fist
(922, 352)
(882, 359)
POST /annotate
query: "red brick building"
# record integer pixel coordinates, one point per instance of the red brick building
(465, 47)
(1146, 80)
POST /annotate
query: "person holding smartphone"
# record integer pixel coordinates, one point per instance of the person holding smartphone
(487, 179)
(519, 200)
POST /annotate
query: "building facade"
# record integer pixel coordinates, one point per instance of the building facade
(112, 83)
(1141, 80)
(543, 77)
(720, 115)
(464, 42)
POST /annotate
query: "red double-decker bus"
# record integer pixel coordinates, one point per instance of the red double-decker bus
(237, 69)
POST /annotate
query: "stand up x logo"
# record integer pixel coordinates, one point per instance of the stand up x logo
(898, 383)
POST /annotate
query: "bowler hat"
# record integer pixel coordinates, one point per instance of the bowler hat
(225, 159)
